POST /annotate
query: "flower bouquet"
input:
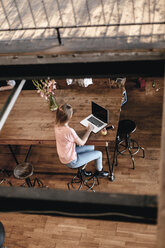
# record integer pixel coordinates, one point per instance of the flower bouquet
(47, 89)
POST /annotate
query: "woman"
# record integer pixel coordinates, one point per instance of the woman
(71, 149)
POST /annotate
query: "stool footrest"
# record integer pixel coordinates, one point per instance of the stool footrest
(33, 183)
(131, 146)
(81, 182)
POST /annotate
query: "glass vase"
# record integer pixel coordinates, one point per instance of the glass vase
(52, 103)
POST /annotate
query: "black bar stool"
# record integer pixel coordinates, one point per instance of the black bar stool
(80, 181)
(124, 144)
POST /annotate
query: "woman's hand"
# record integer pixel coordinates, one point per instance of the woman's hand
(82, 141)
(90, 127)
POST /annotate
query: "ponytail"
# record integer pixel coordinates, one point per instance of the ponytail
(63, 114)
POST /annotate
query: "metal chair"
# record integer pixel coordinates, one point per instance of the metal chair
(124, 144)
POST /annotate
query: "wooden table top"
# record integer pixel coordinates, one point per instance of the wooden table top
(31, 121)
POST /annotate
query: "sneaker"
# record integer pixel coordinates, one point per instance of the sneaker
(84, 173)
(102, 173)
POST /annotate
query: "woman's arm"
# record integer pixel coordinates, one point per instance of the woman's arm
(84, 139)
(8, 87)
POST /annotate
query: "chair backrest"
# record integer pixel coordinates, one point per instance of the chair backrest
(2, 234)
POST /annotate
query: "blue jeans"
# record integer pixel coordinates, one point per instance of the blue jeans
(86, 154)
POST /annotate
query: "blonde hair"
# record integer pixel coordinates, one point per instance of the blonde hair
(63, 113)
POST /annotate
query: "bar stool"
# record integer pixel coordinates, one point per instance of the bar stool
(124, 144)
(24, 171)
(80, 181)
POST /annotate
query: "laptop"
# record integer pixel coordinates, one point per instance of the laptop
(99, 117)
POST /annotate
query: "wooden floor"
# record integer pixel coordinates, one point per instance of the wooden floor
(32, 231)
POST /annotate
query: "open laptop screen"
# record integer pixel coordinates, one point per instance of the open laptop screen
(100, 112)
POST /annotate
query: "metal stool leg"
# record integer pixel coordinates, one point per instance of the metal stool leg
(132, 157)
(11, 149)
(81, 181)
(111, 168)
(28, 182)
(143, 151)
(14, 156)
(38, 182)
(130, 145)
(28, 153)
(5, 174)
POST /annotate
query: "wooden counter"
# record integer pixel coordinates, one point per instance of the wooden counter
(31, 121)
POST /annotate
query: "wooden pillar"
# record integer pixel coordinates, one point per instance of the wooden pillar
(161, 208)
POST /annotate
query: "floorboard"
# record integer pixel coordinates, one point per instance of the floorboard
(33, 231)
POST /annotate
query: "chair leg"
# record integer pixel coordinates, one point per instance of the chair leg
(29, 182)
(137, 147)
(97, 180)
(132, 157)
(38, 182)
(115, 161)
(32, 183)
(131, 145)
(142, 148)
(89, 187)
(5, 173)
(75, 180)
(80, 179)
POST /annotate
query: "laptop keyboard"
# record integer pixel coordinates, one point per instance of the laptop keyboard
(94, 121)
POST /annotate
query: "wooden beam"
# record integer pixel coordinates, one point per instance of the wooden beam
(81, 204)
(54, 57)
(82, 70)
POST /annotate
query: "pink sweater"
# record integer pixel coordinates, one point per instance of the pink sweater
(66, 142)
